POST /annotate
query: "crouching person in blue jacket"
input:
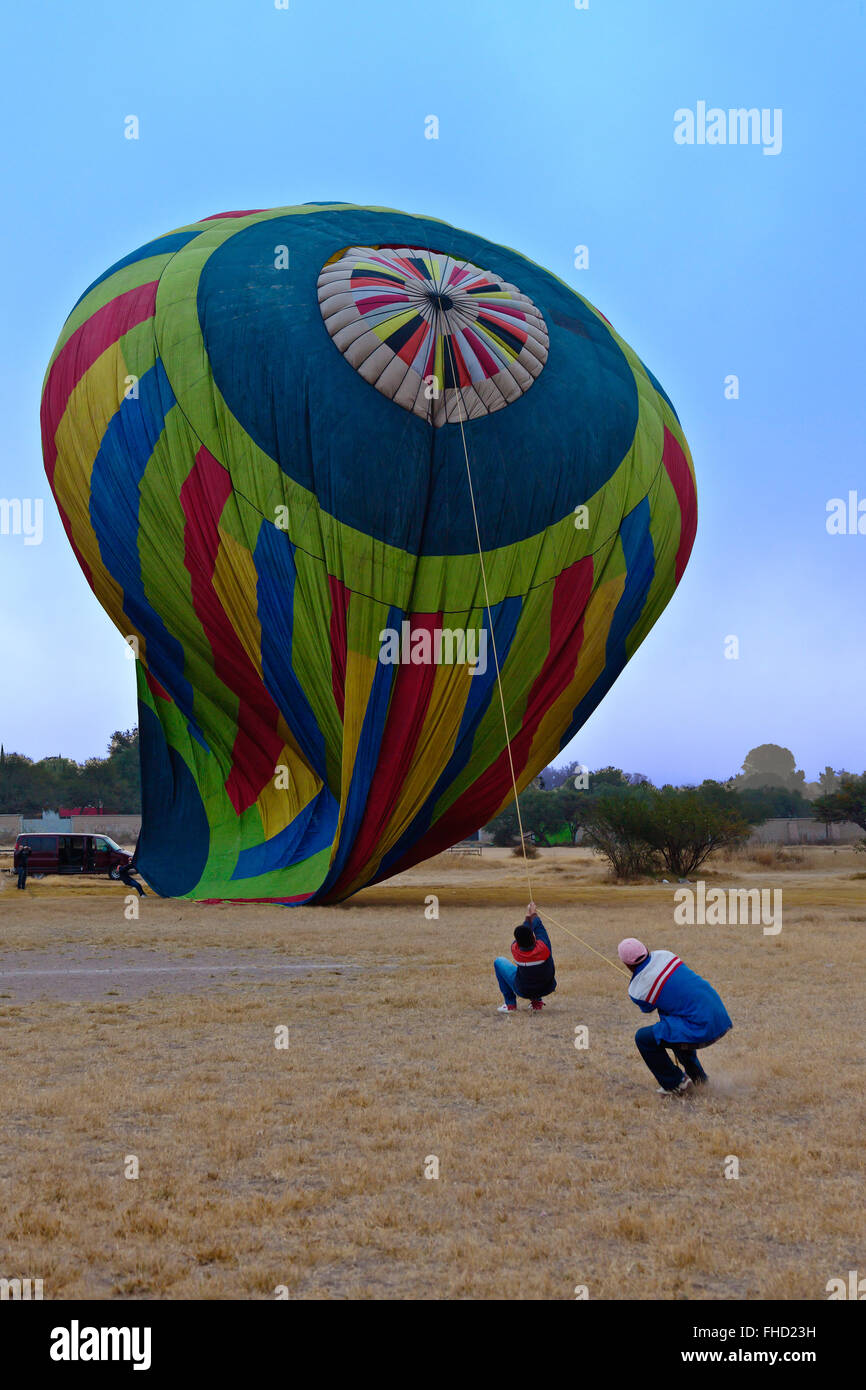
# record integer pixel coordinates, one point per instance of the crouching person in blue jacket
(691, 1015)
(531, 974)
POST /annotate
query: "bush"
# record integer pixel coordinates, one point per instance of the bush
(643, 830)
(686, 825)
(617, 827)
(529, 849)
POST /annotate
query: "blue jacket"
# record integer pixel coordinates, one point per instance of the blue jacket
(690, 1010)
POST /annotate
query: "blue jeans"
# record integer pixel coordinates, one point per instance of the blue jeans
(655, 1054)
(506, 974)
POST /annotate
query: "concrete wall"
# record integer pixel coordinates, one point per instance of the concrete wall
(802, 830)
(123, 829)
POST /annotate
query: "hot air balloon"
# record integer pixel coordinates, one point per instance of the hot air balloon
(317, 463)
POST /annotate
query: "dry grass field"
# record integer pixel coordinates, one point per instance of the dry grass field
(304, 1166)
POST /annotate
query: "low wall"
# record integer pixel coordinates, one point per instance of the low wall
(123, 829)
(802, 830)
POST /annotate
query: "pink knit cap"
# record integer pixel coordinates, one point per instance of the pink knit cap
(630, 951)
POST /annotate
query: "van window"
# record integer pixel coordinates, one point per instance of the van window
(43, 844)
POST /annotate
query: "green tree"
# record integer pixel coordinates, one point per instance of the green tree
(687, 823)
(572, 807)
(30, 787)
(17, 785)
(767, 803)
(847, 803)
(504, 828)
(538, 811)
(607, 777)
(646, 828)
(617, 825)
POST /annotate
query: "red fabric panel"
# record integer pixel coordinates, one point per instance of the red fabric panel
(680, 474)
(246, 212)
(257, 744)
(154, 686)
(540, 951)
(410, 697)
(78, 355)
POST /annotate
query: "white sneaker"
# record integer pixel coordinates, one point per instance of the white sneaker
(507, 1009)
(681, 1090)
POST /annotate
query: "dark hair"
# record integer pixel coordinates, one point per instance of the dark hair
(524, 936)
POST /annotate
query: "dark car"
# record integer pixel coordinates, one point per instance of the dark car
(71, 854)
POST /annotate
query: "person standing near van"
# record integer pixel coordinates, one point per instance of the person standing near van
(23, 856)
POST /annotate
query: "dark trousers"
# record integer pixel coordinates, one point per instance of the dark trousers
(666, 1072)
(126, 877)
(22, 876)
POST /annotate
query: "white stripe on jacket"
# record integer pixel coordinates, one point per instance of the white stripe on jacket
(646, 985)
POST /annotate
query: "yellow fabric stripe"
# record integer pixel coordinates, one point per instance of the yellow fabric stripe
(439, 363)
(360, 674)
(390, 325)
(90, 408)
(278, 805)
(234, 583)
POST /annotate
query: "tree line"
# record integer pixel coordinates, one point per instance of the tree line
(643, 829)
(111, 783)
(638, 827)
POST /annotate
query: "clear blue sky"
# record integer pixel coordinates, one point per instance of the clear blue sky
(556, 128)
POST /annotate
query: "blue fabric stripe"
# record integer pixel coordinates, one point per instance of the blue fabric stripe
(274, 557)
(126, 448)
(311, 831)
(174, 843)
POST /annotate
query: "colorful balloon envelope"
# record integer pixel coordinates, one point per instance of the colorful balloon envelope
(276, 439)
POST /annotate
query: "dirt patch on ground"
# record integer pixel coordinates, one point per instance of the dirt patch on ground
(83, 972)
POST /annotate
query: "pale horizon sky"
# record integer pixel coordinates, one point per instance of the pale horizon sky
(556, 130)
